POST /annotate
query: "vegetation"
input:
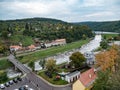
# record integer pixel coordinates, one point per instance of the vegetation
(53, 80)
(51, 51)
(109, 79)
(104, 44)
(4, 64)
(26, 31)
(31, 64)
(106, 60)
(110, 26)
(77, 59)
(51, 66)
(3, 76)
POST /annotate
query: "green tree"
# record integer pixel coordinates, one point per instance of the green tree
(31, 64)
(101, 81)
(42, 63)
(77, 59)
(3, 76)
(51, 65)
(104, 44)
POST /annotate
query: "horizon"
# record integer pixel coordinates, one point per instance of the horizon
(58, 19)
(65, 10)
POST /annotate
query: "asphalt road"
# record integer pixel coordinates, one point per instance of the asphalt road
(33, 80)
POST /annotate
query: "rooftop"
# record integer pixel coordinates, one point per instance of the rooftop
(88, 77)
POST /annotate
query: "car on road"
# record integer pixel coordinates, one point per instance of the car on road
(2, 86)
(7, 84)
(11, 82)
(26, 87)
(15, 80)
(19, 78)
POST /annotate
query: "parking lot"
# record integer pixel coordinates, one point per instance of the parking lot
(24, 84)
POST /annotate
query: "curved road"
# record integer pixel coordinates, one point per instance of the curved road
(34, 79)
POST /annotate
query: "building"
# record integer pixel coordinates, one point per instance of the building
(59, 42)
(72, 76)
(86, 80)
(32, 47)
(55, 43)
(90, 58)
(15, 48)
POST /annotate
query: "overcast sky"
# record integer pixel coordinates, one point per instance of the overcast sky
(67, 10)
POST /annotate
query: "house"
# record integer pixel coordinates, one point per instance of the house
(72, 76)
(86, 80)
(15, 48)
(59, 42)
(32, 47)
(55, 43)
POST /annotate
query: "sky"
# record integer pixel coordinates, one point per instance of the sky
(66, 10)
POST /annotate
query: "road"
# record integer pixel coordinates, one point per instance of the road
(34, 79)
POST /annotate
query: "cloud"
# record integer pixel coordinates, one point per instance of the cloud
(68, 10)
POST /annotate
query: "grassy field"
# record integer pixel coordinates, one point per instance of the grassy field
(4, 64)
(109, 35)
(52, 80)
(51, 51)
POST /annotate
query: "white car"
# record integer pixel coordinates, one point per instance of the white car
(2, 86)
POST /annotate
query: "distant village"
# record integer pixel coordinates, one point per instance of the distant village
(38, 45)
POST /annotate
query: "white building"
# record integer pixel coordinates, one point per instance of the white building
(72, 76)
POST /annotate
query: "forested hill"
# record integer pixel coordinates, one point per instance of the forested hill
(110, 26)
(43, 28)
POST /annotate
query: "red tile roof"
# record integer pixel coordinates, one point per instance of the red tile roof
(87, 77)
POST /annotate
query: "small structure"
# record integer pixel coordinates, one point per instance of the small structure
(72, 76)
(86, 80)
(90, 58)
(37, 66)
(15, 48)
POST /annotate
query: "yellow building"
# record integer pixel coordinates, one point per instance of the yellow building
(86, 80)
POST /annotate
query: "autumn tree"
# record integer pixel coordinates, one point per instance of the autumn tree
(51, 65)
(77, 59)
(107, 59)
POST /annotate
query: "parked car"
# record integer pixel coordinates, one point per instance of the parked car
(7, 84)
(2, 86)
(15, 80)
(16, 89)
(19, 79)
(11, 82)
(21, 88)
(26, 87)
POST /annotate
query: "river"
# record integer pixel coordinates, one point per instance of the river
(64, 57)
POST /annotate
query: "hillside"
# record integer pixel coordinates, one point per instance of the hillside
(45, 29)
(110, 26)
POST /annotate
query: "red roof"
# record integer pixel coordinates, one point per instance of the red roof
(87, 77)
(31, 46)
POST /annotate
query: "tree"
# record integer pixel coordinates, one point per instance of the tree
(3, 76)
(42, 63)
(106, 60)
(104, 44)
(51, 65)
(31, 64)
(77, 59)
(101, 81)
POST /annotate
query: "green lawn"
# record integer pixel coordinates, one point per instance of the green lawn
(51, 51)
(52, 80)
(4, 64)
(109, 35)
